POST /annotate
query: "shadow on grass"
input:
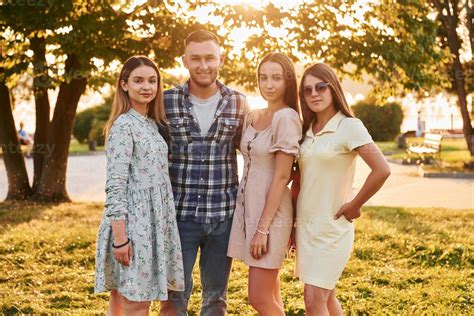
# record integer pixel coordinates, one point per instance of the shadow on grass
(15, 310)
(399, 218)
(426, 238)
(16, 213)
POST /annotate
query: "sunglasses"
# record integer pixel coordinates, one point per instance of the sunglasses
(319, 87)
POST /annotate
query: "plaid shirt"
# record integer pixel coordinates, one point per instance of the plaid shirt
(203, 169)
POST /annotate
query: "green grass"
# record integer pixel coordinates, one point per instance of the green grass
(77, 148)
(453, 153)
(405, 261)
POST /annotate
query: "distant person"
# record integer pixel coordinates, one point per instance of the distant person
(325, 207)
(420, 125)
(138, 254)
(25, 139)
(263, 219)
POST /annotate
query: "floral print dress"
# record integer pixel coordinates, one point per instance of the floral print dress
(138, 190)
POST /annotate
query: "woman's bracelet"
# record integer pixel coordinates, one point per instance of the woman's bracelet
(262, 232)
(122, 245)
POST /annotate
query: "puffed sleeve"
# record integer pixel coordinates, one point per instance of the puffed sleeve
(286, 130)
(119, 156)
(356, 133)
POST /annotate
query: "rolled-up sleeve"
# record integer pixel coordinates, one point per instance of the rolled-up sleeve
(246, 109)
(356, 133)
(119, 157)
(286, 129)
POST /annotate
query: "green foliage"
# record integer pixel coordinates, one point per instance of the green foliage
(383, 122)
(101, 116)
(97, 131)
(83, 125)
(405, 261)
(96, 33)
(400, 50)
(89, 124)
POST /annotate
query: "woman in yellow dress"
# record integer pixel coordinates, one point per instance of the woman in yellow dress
(326, 207)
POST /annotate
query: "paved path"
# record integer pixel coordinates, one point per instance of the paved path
(86, 178)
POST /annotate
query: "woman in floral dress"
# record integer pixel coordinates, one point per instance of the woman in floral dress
(138, 254)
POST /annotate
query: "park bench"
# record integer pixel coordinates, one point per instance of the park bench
(427, 150)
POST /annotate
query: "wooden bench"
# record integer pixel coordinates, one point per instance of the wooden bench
(430, 147)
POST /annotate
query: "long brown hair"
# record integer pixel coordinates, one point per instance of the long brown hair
(289, 75)
(121, 103)
(326, 74)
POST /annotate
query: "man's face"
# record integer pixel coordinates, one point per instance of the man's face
(203, 61)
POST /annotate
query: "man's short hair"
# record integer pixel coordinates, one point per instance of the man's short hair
(201, 36)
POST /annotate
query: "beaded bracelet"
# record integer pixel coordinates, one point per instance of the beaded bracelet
(122, 245)
(262, 232)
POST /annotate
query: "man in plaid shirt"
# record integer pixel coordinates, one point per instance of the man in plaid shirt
(204, 124)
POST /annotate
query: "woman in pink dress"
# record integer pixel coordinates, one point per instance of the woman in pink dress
(263, 218)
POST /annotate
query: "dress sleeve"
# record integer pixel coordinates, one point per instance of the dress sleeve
(119, 157)
(286, 132)
(163, 129)
(356, 134)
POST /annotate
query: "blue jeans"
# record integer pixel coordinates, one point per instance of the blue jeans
(212, 240)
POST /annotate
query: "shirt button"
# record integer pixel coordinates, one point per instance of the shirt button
(202, 179)
(199, 196)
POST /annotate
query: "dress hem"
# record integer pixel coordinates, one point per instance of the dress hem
(317, 282)
(134, 299)
(255, 266)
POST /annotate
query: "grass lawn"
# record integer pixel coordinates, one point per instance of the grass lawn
(453, 153)
(405, 261)
(77, 148)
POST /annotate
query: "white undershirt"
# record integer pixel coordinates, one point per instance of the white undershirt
(204, 110)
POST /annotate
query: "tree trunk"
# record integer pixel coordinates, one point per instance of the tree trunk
(41, 83)
(458, 80)
(18, 184)
(52, 186)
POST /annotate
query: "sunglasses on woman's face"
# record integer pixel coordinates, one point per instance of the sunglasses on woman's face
(319, 87)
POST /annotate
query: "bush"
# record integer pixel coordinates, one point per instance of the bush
(83, 125)
(90, 123)
(101, 116)
(96, 132)
(383, 122)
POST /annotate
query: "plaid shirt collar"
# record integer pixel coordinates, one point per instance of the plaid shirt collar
(222, 88)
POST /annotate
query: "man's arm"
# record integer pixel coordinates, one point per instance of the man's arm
(246, 110)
